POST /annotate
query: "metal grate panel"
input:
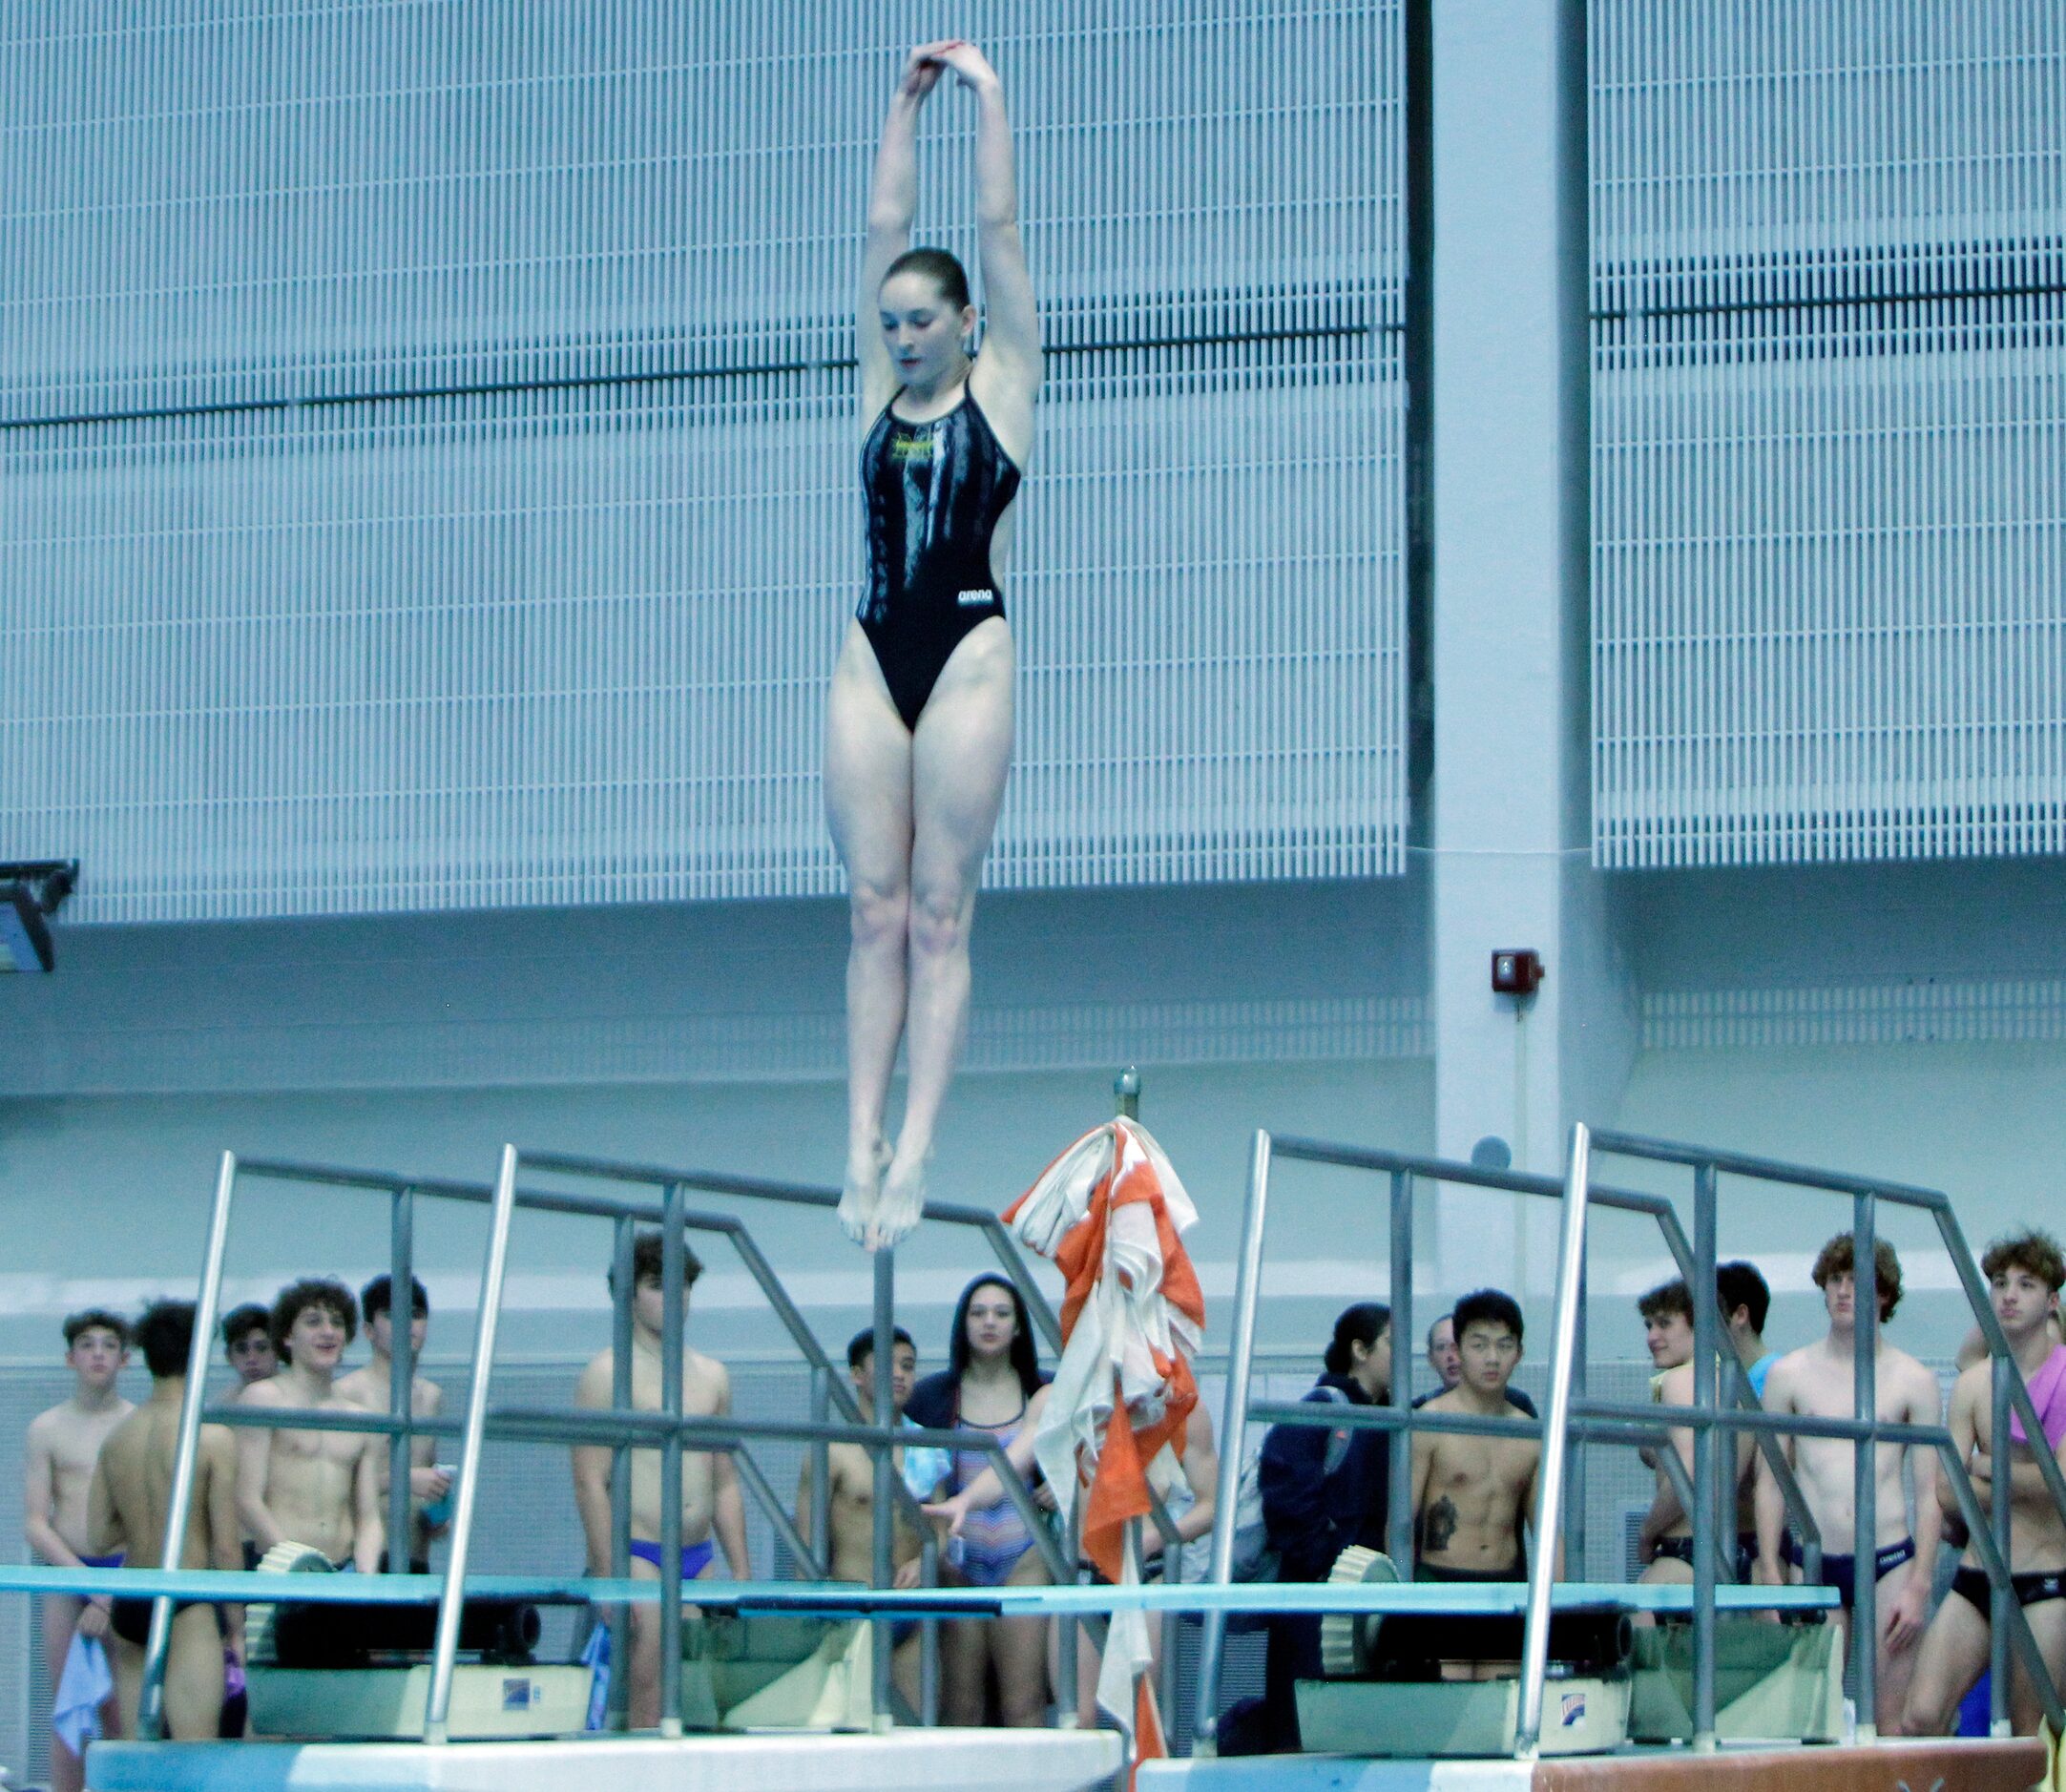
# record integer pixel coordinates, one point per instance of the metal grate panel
(430, 460)
(1830, 429)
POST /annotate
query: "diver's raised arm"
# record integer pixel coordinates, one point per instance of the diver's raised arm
(1011, 322)
(893, 201)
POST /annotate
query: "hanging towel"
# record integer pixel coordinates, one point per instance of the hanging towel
(595, 1655)
(82, 1689)
(1110, 1213)
(2048, 1394)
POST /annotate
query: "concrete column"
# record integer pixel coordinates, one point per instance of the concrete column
(1508, 804)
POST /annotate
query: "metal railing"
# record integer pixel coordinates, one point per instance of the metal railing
(621, 1428)
(1989, 1531)
(884, 1433)
(1560, 1498)
(1059, 1559)
(1569, 1416)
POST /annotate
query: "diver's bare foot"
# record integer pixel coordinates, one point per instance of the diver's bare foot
(902, 1201)
(863, 1190)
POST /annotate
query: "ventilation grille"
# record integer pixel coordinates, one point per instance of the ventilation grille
(1830, 420)
(429, 445)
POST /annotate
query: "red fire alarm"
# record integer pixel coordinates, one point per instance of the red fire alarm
(1517, 973)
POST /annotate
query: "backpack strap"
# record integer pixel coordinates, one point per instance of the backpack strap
(1337, 1440)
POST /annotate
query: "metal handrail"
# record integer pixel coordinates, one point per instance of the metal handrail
(1037, 1305)
(1611, 1143)
(1014, 1265)
(880, 1437)
(1583, 1420)
(1687, 1258)
(622, 1427)
(2009, 1390)
(445, 1651)
(800, 1194)
(1556, 1434)
(885, 1434)
(402, 1426)
(1402, 1169)
(150, 1701)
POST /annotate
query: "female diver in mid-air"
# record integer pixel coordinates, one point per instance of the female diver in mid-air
(918, 724)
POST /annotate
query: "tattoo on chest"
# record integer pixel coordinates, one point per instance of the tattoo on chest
(1438, 1526)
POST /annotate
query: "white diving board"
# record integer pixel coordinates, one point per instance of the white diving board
(940, 1760)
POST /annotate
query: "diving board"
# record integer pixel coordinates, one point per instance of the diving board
(1905, 1766)
(940, 1760)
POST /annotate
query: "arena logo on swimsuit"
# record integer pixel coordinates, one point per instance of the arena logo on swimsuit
(911, 447)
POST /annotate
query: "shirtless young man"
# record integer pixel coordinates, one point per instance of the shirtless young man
(320, 1489)
(1973, 1347)
(2023, 1274)
(247, 1345)
(1817, 1380)
(62, 1445)
(1665, 1544)
(710, 1498)
(850, 1471)
(372, 1386)
(1473, 1496)
(1745, 1300)
(132, 1494)
(1443, 1359)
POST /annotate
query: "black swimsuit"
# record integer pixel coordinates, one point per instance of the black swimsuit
(934, 492)
(1972, 1585)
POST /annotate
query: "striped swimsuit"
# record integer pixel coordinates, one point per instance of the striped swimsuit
(993, 1537)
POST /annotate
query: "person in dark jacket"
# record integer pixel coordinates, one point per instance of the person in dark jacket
(1323, 1489)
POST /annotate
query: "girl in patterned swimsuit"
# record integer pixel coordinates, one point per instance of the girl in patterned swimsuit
(991, 1385)
(918, 721)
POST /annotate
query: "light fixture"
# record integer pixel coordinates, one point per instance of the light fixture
(30, 893)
